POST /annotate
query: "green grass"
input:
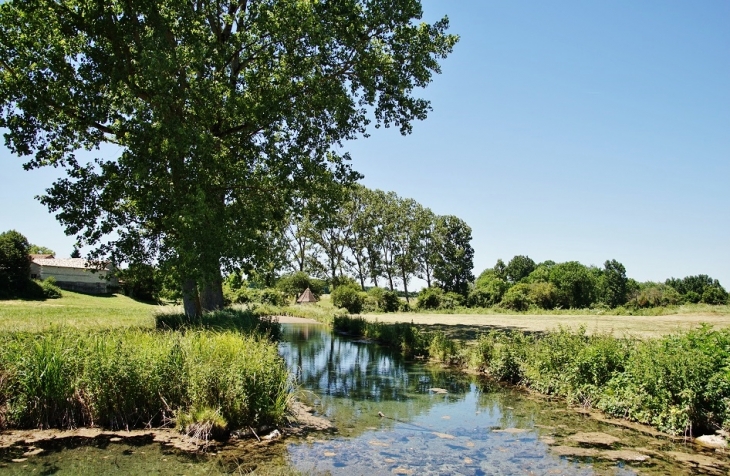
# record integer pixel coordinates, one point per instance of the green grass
(131, 378)
(679, 383)
(76, 310)
(619, 311)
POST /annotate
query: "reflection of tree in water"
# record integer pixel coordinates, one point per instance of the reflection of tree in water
(356, 380)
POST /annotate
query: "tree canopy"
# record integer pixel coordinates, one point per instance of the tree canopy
(223, 111)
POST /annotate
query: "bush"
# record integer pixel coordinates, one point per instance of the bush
(488, 290)
(543, 295)
(714, 295)
(517, 298)
(382, 300)
(654, 295)
(14, 264)
(50, 290)
(349, 297)
(293, 285)
(141, 281)
(430, 298)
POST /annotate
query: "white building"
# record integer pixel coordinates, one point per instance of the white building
(75, 274)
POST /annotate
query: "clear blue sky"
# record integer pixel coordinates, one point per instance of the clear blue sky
(561, 130)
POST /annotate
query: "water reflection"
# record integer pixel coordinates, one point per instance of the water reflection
(435, 421)
(473, 428)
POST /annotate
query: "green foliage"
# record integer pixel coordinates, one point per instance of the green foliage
(14, 264)
(543, 295)
(350, 297)
(654, 295)
(430, 298)
(406, 338)
(141, 281)
(246, 321)
(294, 284)
(575, 284)
(219, 127)
(519, 268)
(488, 289)
(133, 378)
(383, 300)
(40, 250)
(50, 289)
(677, 383)
(714, 295)
(517, 297)
(455, 256)
(612, 284)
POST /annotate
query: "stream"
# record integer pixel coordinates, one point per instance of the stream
(398, 417)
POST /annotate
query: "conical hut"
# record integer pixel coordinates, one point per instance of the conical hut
(307, 297)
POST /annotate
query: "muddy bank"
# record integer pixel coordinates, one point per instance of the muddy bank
(27, 443)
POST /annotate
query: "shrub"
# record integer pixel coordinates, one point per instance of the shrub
(714, 295)
(383, 300)
(488, 290)
(543, 295)
(654, 295)
(50, 290)
(430, 298)
(141, 281)
(451, 300)
(349, 297)
(293, 285)
(517, 297)
(14, 264)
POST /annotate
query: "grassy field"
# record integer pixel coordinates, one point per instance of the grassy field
(468, 326)
(76, 310)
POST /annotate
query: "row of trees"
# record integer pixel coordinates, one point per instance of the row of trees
(522, 283)
(378, 238)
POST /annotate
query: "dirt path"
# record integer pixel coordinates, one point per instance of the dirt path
(295, 320)
(467, 326)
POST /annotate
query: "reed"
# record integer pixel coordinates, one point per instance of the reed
(133, 378)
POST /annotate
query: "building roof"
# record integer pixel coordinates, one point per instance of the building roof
(34, 257)
(307, 296)
(79, 263)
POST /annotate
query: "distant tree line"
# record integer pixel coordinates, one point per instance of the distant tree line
(373, 237)
(522, 283)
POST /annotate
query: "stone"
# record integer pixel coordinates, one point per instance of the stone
(624, 455)
(711, 441)
(595, 438)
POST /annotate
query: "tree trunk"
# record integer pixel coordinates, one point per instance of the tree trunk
(191, 300)
(211, 296)
(405, 286)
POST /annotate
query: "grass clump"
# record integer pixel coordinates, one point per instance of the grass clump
(406, 338)
(243, 320)
(134, 378)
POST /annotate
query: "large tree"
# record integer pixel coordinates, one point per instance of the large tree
(221, 111)
(14, 263)
(455, 259)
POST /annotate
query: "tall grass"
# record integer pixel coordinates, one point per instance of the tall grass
(242, 320)
(678, 383)
(131, 378)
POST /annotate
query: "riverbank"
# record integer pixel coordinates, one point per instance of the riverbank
(677, 383)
